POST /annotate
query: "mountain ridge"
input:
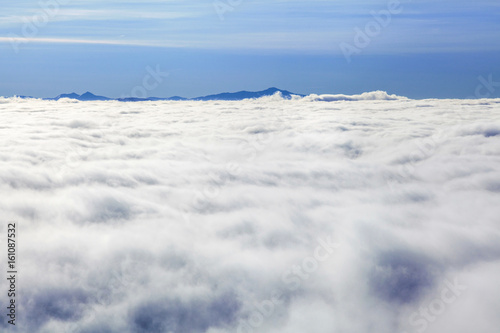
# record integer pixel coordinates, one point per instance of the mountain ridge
(225, 96)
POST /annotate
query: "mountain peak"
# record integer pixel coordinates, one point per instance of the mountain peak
(246, 95)
(88, 96)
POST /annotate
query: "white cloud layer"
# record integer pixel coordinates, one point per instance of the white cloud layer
(256, 216)
(368, 96)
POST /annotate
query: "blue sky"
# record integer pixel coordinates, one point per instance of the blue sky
(424, 48)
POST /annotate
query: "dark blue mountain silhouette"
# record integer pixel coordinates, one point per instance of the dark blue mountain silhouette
(245, 94)
(72, 96)
(137, 99)
(173, 98)
(236, 96)
(88, 96)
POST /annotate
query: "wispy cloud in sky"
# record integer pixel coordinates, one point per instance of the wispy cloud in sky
(422, 26)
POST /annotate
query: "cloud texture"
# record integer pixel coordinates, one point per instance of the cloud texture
(265, 215)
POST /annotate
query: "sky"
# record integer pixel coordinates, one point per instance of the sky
(419, 49)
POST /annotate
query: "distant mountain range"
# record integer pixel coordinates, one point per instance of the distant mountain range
(235, 96)
(245, 94)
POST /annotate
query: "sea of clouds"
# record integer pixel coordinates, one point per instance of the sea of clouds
(373, 213)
